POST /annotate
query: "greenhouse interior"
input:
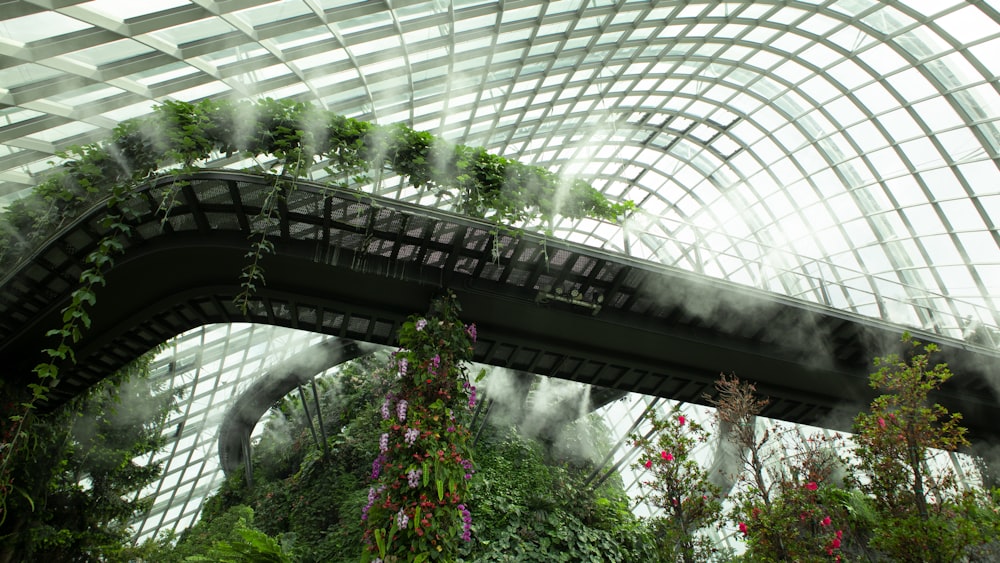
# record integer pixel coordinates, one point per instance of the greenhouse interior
(429, 280)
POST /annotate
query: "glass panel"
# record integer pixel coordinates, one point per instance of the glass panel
(42, 25)
(109, 52)
(194, 31)
(123, 11)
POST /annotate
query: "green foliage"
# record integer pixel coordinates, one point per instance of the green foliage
(531, 506)
(252, 547)
(291, 139)
(78, 475)
(922, 515)
(227, 537)
(528, 500)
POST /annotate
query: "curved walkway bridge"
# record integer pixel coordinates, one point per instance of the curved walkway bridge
(355, 266)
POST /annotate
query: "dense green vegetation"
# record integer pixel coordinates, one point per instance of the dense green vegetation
(74, 488)
(527, 498)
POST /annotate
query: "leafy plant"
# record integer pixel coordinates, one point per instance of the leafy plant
(678, 485)
(923, 515)
(79, 475)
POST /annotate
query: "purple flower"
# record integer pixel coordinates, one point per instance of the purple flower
(421, 324)
(371, 500)
(385, 409)
(383, 443)
(472, 397)
(471, 331)
(401, 410)
(377, 466)
(403, 367)
(466, 522)
(435, 364)
(411, 436)
(413, 477)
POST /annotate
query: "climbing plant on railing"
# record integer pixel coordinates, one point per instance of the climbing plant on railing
(295, 140)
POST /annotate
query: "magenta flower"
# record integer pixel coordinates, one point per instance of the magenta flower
(466, 523)
(812, 486)
(881, 422)
(825, 521)
(681, 420)
(649, 463)
(667, 456)
(471, 331)
(743, 528)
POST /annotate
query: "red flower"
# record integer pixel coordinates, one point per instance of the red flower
(667, 456)
(681, 420)
(649, 463)
(825, 521)
(881, 422)
(812, 486)
(743, 528)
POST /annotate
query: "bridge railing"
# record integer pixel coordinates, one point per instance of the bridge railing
(823, 282)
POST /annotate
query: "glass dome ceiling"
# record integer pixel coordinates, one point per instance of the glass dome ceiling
(841, 152)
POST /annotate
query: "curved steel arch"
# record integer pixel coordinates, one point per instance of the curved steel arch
(355, 266)
(264, 392)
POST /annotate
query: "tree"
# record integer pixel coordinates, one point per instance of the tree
(678, 485)
(80, 475)
(737, 407)
(924, 515)
(787, 507)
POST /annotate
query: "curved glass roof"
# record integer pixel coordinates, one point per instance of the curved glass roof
(844, 152)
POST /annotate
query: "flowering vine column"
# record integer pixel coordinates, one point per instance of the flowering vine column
(416, 509)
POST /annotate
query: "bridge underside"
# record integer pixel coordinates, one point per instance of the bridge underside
(355, 266)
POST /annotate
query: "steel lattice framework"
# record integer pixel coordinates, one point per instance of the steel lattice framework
(843, 153)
